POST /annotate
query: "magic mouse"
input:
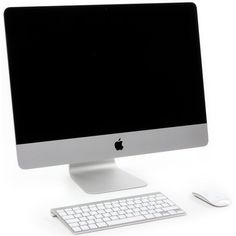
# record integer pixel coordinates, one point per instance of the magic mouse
(213, 198)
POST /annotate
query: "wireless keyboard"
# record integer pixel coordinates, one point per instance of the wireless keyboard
(118, 212)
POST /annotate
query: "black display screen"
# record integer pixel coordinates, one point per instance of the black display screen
(79, 71)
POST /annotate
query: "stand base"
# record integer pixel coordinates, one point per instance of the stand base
(102, 177)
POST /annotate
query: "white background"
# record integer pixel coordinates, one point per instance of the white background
(27, 195)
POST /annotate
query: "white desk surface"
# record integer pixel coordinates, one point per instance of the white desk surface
(28, 195)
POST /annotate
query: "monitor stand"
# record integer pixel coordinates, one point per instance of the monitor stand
(102, 177)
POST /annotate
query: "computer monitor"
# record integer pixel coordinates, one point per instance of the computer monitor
(93, 83)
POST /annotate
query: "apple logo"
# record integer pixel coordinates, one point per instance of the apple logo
(118, 145)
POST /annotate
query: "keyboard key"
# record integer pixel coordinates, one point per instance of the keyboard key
(74, 225)
(75, 208)
(151, 211)
(123, 208)
(72, 221)
(92, 226)
(98, 220)
(76, 229)
(129, 215)
(114, 213)
(68, 209)
(106, 214)
(82, 223)
(129, 211)
(123, 204)
(108, 210)
(137, 213)
(121, 212)
(159, 210)
(126, 220)
(62, 214)
(100, 211)
(77, 215)
(93, 208)
(165, 214)
(90, 222)
(159, 202)
(102, 224)
(84, 227)
(157, 214)
(137, 201)
(85, 214)
(85, 210)
(78, 211)
(70, 212)
(68, 217)
(144, 212)
(115, 202)
(149, 216)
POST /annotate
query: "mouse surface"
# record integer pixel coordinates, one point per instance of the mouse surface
(213, 198)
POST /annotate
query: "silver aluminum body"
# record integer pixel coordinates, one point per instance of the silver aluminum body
(101, 148)
(103, 177)
(55, 214)
(91, 159)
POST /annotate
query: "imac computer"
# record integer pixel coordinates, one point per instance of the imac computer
(93, 83)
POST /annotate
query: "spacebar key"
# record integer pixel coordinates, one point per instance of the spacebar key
(126, 220)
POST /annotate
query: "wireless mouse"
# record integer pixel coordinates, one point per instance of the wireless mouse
(213, 198)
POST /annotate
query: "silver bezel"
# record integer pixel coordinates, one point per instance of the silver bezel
(100, 148)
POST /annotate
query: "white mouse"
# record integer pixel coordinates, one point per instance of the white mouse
(213, 198)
